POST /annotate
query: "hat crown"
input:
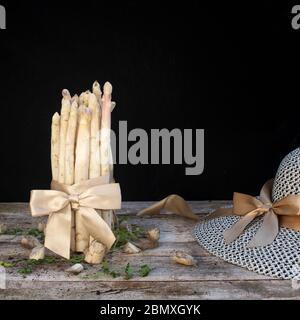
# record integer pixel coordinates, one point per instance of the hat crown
(287, 179)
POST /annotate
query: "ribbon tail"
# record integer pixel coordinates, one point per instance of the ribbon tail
(232, 233)
(152, 210)
(267, 231)
(172, 203)
(58, 232)
(96, 226)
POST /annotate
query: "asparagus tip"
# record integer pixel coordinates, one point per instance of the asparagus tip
(66, 94)
(96, 84)
(56, 116)
(74, 104)
(107, 88)
(74, 98)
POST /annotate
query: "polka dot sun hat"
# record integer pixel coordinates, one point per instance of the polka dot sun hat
(279, 258)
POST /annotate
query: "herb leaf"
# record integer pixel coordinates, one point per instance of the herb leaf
(144, 270)
(128, 271)
(105, 267)
(36, 233)
(6, 264)
(123, 235)
(76, 258)
(25, 270)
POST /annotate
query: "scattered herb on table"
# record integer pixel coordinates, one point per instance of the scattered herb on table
(36, 233)
(28, 266)
(123, 235)
(106, 270)
(31, 232)
(6, 264)
(114, 274)
(144, 270)
(78, 258)
(122, 219)
(105, 267)
(128, 271)
(26, 270)
(14, 231)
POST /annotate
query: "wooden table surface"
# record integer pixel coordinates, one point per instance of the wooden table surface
(211, 279)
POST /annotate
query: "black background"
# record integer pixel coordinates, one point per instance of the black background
(230, 69)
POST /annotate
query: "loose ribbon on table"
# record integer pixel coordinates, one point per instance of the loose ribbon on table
(284, 213)
(172, 203)
(83, 198)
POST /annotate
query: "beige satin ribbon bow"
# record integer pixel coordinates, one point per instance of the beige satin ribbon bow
(285, 212)
(83, 198)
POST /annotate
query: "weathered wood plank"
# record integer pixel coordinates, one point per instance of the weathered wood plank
(254, 289)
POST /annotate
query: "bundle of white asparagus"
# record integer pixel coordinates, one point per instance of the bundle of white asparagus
(80, 147)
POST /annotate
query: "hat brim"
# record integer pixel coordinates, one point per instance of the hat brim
(280, 259)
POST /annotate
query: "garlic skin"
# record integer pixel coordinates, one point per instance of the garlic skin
(184, 259)
(75, 269)
(153, 234)
(130, 248)
(37, 253)
(30, 242)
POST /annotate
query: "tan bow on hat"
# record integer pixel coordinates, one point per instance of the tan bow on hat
(285, 212)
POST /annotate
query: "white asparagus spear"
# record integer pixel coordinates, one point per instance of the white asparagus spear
(70, 153)
(94, 169)
(70, 144)
(65, 112)
(82, 169)
(105, 129)
(70, 158)
(94, 105)
(105, 147)
(97, 91)
(55, 145)
(83, 145)
(111, 165)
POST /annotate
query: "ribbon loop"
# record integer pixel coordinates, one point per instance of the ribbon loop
(93, 194)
